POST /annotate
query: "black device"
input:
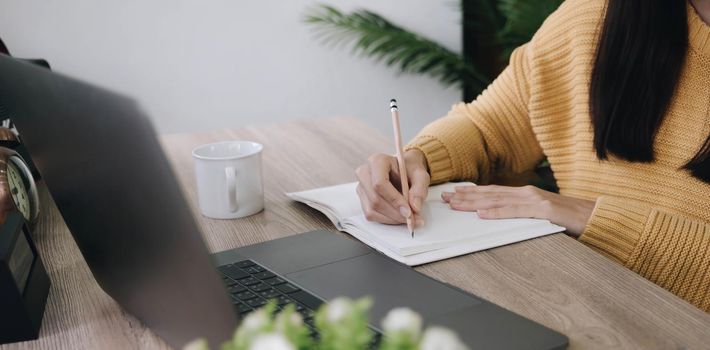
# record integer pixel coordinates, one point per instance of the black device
(130, 220)
(24, 284)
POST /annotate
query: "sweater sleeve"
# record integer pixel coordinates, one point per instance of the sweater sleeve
(670, 250)
(493, 132)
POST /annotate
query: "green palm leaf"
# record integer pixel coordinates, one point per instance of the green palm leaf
(374, 36)
(496, 26)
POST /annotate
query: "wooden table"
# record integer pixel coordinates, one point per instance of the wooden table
(554, 280)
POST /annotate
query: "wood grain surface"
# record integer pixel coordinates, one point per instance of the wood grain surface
(554, 280)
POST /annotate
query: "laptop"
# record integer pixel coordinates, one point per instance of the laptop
(101, 161)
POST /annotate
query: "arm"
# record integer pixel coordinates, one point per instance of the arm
(493, 131)
(670, 250)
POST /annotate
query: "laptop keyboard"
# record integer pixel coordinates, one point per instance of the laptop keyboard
(251, 285)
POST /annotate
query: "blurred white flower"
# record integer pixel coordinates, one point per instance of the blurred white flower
(296, 319)
(338, 309)
(439, 338)
(402, 319)
(197, 344)
(254, 321)
(271, 341)
(293, 320)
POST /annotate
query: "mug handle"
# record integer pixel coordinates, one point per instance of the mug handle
(231, 175)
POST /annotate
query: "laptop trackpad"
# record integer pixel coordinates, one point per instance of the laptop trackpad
(388, 283)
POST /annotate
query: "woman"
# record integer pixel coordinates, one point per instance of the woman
(616, 95)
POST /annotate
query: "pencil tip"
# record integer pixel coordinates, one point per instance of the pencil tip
(412, 234)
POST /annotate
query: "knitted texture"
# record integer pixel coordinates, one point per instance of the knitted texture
(652, 217)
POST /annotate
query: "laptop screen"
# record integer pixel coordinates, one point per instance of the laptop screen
(104, 167)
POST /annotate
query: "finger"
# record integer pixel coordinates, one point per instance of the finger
(472, 196)
(370, 214)
(419, 188)
(418, 220)
(511, 211)
(473, 205)
(382, 185)
(374, 200)
(475, 201)
(419, 178)
(474, 193)
(486, 188)
(467, 196)
(471, 201)
(446, 196)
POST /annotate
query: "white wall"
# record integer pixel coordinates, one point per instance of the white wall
(200, 65)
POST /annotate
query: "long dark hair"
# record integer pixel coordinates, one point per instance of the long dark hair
(641, 52)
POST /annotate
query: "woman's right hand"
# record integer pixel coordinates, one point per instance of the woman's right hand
(379, 188)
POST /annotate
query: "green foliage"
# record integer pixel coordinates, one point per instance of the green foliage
(403, 328)
(399, 341)
(287, 323)
(512, 23)
(341, 324)
(376, 37)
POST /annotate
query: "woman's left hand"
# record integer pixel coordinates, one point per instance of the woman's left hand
(503, 202)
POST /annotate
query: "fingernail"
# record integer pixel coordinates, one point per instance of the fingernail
(446, 196)
(455, 201)
(405, 211)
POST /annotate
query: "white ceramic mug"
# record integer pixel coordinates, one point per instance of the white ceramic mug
(229, 179)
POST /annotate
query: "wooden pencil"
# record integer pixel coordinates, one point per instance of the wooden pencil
(400, 160)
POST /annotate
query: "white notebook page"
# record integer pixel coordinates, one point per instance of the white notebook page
(443, 227)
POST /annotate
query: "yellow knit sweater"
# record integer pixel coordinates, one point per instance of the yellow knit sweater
(651, 217)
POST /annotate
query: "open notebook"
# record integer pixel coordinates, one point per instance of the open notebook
(446, 233)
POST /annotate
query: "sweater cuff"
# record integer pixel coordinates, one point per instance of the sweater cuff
(615, 227)
(437, 157)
